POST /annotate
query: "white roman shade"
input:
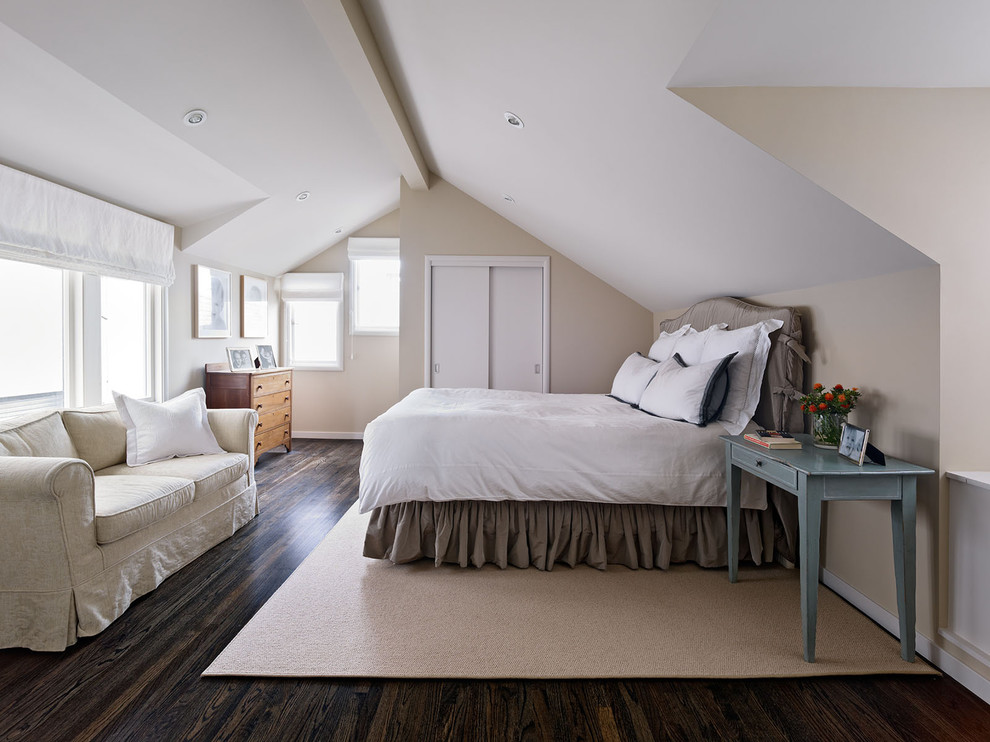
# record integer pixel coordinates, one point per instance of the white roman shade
(42, 222)
(372, 247)
(317, 286)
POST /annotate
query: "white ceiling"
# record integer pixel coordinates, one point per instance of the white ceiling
(94, 96)
(845, 43)
(613, 169)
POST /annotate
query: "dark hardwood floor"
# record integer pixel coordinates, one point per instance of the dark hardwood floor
(140, 679)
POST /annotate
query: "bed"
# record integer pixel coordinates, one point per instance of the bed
(474, 476)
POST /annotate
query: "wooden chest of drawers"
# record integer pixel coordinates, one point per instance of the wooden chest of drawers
(269, 392)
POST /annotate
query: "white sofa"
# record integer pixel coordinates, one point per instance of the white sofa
(82, 534)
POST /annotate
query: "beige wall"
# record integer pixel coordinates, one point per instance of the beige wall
(914, 161)
(342, 403)
(881, 335)
(187, 354)
(593, 327)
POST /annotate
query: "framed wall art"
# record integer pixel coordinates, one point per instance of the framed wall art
(254, 307)
(212, 297)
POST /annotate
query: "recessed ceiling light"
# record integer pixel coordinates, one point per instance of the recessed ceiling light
(302, 195)
(508, 198)
(195, 117)
(514, 120)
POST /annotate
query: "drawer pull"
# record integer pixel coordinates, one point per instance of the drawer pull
(258, 408)
(260, 424)
(258, 388)
(287, 382)
(759, 462)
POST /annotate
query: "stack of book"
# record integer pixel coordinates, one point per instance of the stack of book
(774, 439)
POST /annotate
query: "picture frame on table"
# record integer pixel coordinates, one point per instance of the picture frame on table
(853, 443)
(266, 356)
(254, 307)
(212, 297)
(240, 359)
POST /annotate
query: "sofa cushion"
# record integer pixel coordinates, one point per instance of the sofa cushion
(161, 430)
(209, 472)
(98, 434)
(37, 436)
(125, 505)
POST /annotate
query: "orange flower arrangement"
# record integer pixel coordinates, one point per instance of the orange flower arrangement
(837, 401)
(829, 408)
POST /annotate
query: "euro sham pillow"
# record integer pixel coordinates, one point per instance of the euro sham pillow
(634, 374)
(688, 344)
(694, 393)
(752, 347)
(159, 431)
(663, 346)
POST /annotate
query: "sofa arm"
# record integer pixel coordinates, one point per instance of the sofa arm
(234, 431)
(47, 528)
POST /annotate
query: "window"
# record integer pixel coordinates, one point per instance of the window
(313, 336)
(374, 286)
(32, 375)
(71, 338)
(125, 338)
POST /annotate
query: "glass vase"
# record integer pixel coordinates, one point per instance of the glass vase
(827, 429)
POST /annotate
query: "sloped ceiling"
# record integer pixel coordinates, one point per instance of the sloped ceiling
(612, 169)
(94, 96)
(890, 114)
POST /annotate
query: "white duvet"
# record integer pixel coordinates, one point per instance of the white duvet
(479, 444)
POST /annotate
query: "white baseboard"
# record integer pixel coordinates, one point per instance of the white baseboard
(950, 665)
(324, 435)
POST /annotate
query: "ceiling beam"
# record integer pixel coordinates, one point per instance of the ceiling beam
(345, 28)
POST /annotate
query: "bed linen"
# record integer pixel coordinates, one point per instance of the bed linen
(528, 533)
(442, 445)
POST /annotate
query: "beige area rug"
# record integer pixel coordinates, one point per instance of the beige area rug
(343, 615)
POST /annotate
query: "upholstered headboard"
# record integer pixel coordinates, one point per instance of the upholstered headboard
(784, 378)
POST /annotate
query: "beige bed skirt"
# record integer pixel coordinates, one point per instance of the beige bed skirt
(541, 534)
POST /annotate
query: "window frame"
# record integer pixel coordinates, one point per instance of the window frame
(355, 293)
(288, 336)
(82, 381)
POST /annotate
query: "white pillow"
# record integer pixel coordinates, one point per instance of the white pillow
(752, 346)
(692, 393)
(691, 344)
(633, 376)
(156, 431)
(663, 346)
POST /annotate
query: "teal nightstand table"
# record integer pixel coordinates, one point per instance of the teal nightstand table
(817, 475)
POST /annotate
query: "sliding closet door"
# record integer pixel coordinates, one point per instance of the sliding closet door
(459, 326)
(516, 328)
(487, 322)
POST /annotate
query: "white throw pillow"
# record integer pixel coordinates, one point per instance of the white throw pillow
(663, 346)
(633, 376)
(158, 431)
(692, 393)
(752, 346)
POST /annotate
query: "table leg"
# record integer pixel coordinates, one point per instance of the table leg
(903, 514)
(810, 525)
(733, 478)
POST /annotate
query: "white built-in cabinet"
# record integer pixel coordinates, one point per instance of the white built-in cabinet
(488, 322)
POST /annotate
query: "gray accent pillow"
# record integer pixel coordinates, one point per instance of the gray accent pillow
(695, 393)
